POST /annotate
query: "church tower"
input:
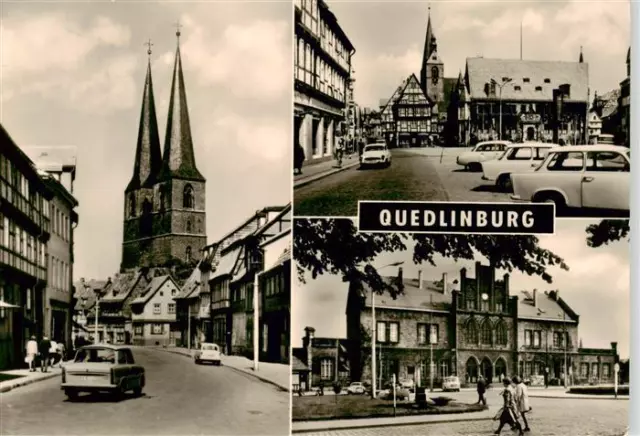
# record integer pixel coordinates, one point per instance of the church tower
(171, 222)
(432, 72)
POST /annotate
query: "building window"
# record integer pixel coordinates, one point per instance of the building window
(137, 330)
(606, 370)
(526, 80)
(584, 369)
(156, 309)
(381, 332)
(471, 333)
(547, 80)
(594, 369)
(187, 197)
(501, 334)
(537, 338)
(188, 254)
(538, 88)
(188, 226)
(528, 338)
(171, 309)
(326, 369)
(486, 333)
(517, 88)
(157, 329)
(393, 332)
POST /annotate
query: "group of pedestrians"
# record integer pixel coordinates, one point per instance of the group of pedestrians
(47, 352)
(343, 146)
(515, 406)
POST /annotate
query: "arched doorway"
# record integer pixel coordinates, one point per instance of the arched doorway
(486, 369)
(472, 370)
(500, 368)
(531, 133)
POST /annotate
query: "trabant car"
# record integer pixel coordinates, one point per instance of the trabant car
(207, 353)
(451, 383)
(579, 176)
(518, 158)
(482, 152)
(356, 388)
(102, 368)
(375, 155)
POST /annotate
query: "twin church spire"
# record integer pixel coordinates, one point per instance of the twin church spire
(178, 159)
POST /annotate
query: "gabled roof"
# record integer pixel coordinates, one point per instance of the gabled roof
(396, 94)
(412, 93)
(480, 71)
(298, 366)
(87, 290)
(153, 287)
(227, 263)
(284, 212)
(120, 286)
(191, 287)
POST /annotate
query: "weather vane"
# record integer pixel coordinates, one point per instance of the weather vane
(149, 44)
(178, 27)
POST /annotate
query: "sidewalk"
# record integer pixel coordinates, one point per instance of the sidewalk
(343, 424)
(561, 394)
(276, 374)
(26, 378)
(313, 172)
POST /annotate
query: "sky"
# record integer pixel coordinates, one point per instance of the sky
(73, 74)
(389, 37)
(596, 287)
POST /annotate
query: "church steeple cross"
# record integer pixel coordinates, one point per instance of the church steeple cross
(178, 27)
(149, 44)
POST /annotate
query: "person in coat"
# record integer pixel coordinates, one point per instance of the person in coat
(43, 348)
(481, 387)
(522, 401)
(32, 352)
(298, 159)
(508, 414)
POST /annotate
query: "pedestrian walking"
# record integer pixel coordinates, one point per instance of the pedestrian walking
(53, 354)
(522, 401)
(360, 147)
(31, 352)
(339, 151)
(508, 414)
(61, 350)
(482, 389)
(43, 348)
(298, 159)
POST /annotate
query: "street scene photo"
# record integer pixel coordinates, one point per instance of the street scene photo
(401, 334)
(462, 101)
(145, 219)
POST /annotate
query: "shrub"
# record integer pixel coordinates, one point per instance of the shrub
(598, 390)
(441, 401)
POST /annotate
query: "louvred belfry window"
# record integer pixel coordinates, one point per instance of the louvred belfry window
(187, 199)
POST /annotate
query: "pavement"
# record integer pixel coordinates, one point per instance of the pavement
(276, 374)
(550, 417)
(317, 171)
(180, 398)
(26, 378)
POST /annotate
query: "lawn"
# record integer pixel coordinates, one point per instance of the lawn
(357, 406)
(6, 377)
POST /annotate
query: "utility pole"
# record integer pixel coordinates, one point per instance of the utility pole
(373, 344)
(256, 320)
(95, 328)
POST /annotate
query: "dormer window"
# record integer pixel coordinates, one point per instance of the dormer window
(547, 80)
(517, 88)
(526, 80)
(538, 88)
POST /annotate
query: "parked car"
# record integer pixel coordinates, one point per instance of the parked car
(207, 353)
(516, 159)
(375, 155)
(451, 383)
(581, 176)
(482, 152)
(356, 388)
(102, 368)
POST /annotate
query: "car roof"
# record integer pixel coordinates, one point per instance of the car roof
(594, 147)
(494, 142)
(533, 144)
(384, 144)
(103, 346)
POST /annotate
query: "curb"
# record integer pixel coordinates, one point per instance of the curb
(581, 397)
(319, 176)
(262, 379)
(19, 384)
(387, 424)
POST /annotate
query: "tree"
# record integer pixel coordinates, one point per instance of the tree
(334, 246)
(607, 231)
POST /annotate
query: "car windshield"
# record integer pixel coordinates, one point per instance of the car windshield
(210, 347)
(450, 379)
(374, 148)
(95, 355)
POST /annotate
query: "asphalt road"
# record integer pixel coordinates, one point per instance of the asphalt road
(180, 398)
(423, 174)
(550, 417)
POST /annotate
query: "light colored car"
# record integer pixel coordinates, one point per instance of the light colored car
(580, 176)
(451, 383)
(356, 388)
(516, 159)
(102, 368)
(207, 353)
(482, 152)
(374, 155)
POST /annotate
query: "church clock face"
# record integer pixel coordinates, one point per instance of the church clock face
(435, 75)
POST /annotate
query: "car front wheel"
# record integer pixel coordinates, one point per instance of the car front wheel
(71, 394)
(551, 197)
(504, 183)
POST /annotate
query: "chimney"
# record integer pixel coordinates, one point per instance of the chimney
(535, 298)
(445, 284)
(420, 286)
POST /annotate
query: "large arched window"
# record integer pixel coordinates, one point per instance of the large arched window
(486, 333)
(501, 333)
(132, 205)
(471, 332)
(146, 223)
(472, 370)
(187, 197)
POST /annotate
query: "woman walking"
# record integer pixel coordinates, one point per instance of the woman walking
(508, 414)
(522, 401)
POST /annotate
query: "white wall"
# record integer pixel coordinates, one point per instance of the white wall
(273, 250)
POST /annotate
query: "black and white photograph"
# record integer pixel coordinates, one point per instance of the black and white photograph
(145, 218)
(470, 334)
(462, 101)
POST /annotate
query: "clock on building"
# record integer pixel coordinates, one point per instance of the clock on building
(435, 75)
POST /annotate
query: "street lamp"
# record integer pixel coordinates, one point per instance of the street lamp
(501, 85)
(95, 330)
(564, 342)
(374, 334)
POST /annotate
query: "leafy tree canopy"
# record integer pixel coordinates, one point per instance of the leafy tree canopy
(607, 231)
(334, 246)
